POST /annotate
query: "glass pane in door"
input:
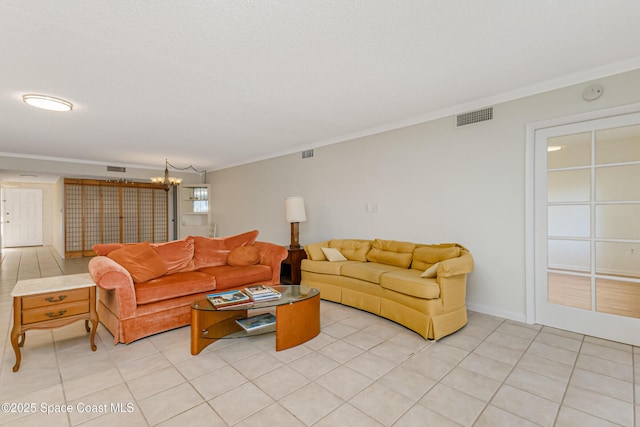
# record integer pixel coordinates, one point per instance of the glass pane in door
(569, 221)
(569, 150)
(618, 221)
(569, 186)
(570, 291)
(569, 255)
(618, 183)
(618, 297)
(618, 145)
(618, 259)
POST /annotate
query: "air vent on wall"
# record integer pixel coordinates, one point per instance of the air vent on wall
(307, 153)
(474, 117)
(116, 169)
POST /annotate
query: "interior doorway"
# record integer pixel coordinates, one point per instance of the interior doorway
(21, 217)
(586, 226)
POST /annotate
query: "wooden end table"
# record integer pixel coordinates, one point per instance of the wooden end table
(52, 302)
(290, 273)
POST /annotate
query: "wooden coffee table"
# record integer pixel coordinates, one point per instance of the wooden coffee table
(297, 319)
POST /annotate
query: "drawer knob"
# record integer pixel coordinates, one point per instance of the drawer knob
(51, 299)
(58, 314)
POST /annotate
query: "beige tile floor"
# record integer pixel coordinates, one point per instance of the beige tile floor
(360, 371)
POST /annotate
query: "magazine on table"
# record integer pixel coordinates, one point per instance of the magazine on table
(262, 293)
(257, 322)
(228, 299)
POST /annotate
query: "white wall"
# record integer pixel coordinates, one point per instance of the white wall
(433, 183)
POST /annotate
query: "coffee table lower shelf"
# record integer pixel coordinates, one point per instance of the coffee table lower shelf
(296, 323)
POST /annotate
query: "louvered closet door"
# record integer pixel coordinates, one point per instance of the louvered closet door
(107, 212)
(110, 214)
(73, 220)
(130, 215)
(145, 201)
(160, 217)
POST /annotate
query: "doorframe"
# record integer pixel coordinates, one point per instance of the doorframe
(531, 129)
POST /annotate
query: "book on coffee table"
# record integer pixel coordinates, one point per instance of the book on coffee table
(262, 293)
(256, 322)
(229, 299)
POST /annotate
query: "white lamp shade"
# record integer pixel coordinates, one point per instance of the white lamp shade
(294, 209)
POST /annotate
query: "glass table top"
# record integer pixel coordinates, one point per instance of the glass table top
(289, 295)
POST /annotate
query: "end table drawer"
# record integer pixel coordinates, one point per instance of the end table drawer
(57, 311)
(53, 298)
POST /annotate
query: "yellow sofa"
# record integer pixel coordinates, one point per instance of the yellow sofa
(420, 286)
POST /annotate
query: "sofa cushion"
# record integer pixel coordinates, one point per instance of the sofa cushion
(210, 251)
(322, 267)
(173, 286)
(314, 251)
(391, 252)
(367, 271)
(333, 254)
(228, 276)
(409, 282)
(353, 250)
(425, 256)
(140, 260)
(176, 255)
(243, 256)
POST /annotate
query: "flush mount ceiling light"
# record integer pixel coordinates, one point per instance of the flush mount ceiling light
(47, 102)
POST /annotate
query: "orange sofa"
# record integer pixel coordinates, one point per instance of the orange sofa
(147, 288)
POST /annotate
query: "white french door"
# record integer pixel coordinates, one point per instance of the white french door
(587, 227)
(22, 217)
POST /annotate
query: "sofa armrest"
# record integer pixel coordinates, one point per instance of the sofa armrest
(111, 276)
(272, 255)
(454, 266)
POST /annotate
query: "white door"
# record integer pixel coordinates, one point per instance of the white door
(587, 227)
(22, 217)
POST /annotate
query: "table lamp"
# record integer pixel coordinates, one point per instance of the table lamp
(295, 214)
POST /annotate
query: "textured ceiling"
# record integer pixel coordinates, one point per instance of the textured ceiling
(221, 83)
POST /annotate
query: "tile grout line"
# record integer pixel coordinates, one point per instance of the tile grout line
(503, 382)
(566, 389)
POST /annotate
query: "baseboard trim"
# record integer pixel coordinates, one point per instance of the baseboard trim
(492, 311)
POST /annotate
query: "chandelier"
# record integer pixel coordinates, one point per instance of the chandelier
(166, 181)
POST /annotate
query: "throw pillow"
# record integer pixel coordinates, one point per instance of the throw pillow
(431, 271)
(391, 252)
(243, 256)
(243, 239)
(105, 248)
(333, 254)
(176, 255)
(425, 256)
(353, 250)
(141, 261)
